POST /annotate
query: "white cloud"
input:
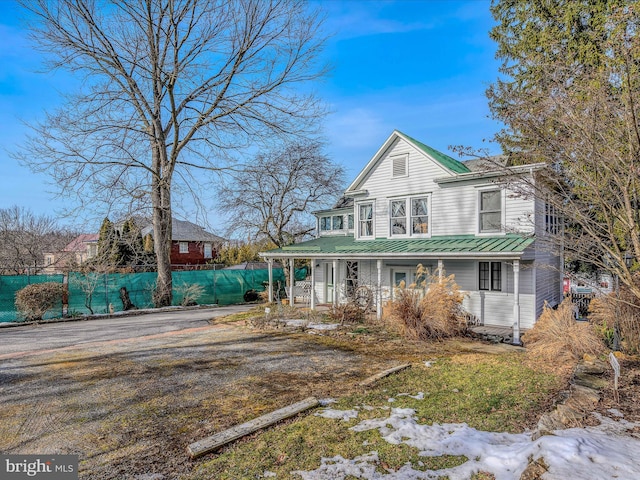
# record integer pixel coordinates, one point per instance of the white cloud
(361, 19)
(357, 127)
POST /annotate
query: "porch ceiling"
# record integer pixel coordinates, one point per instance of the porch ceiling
(450, 246)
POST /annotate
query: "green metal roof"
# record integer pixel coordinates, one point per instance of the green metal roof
(449, 245)
(446, 161)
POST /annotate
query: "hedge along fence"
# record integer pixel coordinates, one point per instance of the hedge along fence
(9, 286)
(223, 287)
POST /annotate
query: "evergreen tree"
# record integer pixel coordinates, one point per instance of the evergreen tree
(570, 97)
(107, 245)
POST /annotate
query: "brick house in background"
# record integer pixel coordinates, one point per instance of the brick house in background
(190, 244)
(78, 251)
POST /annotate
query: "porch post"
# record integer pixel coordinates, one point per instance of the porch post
(440, 270)
(516, 302)
(313, 285)
(334, 300)
(270, 267)
(292, 281)
(379, 293)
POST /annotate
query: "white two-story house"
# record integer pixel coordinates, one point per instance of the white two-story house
(414, 205)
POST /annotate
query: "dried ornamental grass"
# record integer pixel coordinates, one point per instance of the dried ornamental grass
(621, 311)
(557, 340)
(432, 309)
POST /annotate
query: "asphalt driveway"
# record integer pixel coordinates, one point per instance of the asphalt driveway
(33, 338)
(129, 394)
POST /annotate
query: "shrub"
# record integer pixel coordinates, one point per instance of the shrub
(557, 341)
(430, 309)
(252, 295)
(33, 301)
(190, 293)
(621, 312)
(347, 313)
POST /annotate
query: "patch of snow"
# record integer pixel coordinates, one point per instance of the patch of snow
(419, 396)
(615, 412)
(429, 363)
(268, 474)
(391, 400)
(344, 415)
(603, 451)
(339, 467)
(323, 326)
(326, 401)
(295, 323)
(311, 326)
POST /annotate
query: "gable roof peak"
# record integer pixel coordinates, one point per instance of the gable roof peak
(442, 158)
(447, 163)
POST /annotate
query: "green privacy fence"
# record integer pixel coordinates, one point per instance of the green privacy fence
(10, 284)
(98, 291)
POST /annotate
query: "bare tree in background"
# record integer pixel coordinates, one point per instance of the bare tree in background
(26, 237)
(171, 88)
(273, 197)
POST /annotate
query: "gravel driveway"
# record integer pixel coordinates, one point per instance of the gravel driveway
(130, 396)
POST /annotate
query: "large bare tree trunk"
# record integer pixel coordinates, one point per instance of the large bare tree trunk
(162, 244)
(161, 203)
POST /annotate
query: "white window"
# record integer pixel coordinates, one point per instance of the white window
(398, 217)
(551, 219)
(365, 220)
(490, 211)
(419, 216)
(184, 247)
(409, 216)
(334, 222)
(208, 251)
(399, 166)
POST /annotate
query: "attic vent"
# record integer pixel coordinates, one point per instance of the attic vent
(399, 166)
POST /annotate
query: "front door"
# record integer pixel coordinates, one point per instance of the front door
(401, 278)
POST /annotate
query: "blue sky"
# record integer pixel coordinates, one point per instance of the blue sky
(421, 67)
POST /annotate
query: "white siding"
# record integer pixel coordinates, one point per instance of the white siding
(454, 206)
(496, 308)
(381, 186)
(548, 281)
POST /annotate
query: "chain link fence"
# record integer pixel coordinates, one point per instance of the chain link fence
(100, 293)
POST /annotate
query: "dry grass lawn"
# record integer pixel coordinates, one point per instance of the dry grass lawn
(131, 408)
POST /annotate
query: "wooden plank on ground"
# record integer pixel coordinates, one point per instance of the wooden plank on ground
(216, 441)
(371, 380)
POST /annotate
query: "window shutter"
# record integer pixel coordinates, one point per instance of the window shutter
(399, 166)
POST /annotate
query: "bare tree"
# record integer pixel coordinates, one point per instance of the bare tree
(273, 197)
(26, 237)
(170, 88)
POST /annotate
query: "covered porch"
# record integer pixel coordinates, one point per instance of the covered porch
(339, 265)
